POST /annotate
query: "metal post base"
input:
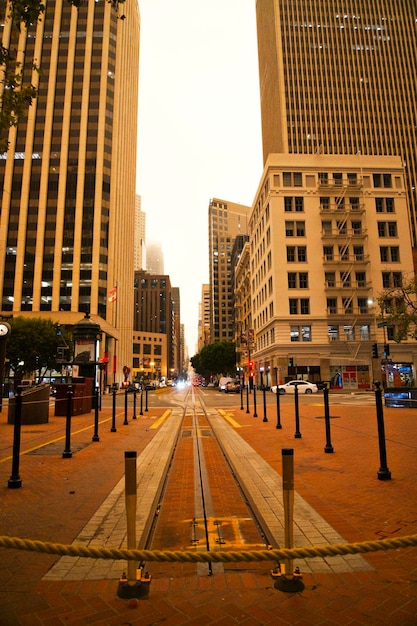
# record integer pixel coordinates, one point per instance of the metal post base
(290, 585)
(139, 590)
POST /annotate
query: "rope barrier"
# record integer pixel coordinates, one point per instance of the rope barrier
(209, 556)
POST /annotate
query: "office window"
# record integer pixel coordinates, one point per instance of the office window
(292, 179)
(332, 306)
(294, 204)
(382, 180)
(333, 332)
(292, 280)
(391, 279)
(305, 306)
(300, 333)
(298, 280)
(384, 205)
(328, 253)
(389, 254)
(330, 279)
(387, 229)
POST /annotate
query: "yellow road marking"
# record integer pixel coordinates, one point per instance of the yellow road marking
(229, 418)
(161, 419)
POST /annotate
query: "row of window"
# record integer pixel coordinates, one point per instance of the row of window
(295, 204)
(336, 179)
(296, 228)
(335, 332)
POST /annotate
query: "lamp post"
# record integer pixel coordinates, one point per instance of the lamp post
(4, 334)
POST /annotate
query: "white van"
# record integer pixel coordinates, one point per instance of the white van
(223, 382)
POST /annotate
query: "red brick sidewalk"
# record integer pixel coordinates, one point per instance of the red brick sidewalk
(59, 495)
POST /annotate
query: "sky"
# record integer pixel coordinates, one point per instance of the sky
(199, 130)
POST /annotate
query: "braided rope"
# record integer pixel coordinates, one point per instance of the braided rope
(210, 556)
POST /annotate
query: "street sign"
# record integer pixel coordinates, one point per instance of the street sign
(382, 324)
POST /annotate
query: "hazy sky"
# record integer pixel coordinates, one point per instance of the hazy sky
(199, 129)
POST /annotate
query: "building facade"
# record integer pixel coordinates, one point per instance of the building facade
(227, 220)
(339, 78)
(327, 235)
(153, 313)
(204, 318)
(68, 179)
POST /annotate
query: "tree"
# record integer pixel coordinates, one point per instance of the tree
(215, 358)
(16, 96)
(399, 309)
(33, 345)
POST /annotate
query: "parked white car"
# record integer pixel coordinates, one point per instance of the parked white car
(304, 386)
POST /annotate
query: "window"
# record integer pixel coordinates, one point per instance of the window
(389, 254)
(382, 180)
(328, 253)
(344, 253)
(298, 279)
(330, 279)
(296, 254)
(332, 306)
(347, 305)
(323, 178)
(301, 306)
(364, 332)
(357, 227)
(391, 279)
(345, 279)
(354, 204)
(352, 179)
(358, 253)
(337, 179)
(333, 332)
(363, 305)
(349, 332)
(340, 203)
(341, 227)
(292, 179)
(387, 229)
(326, 227)
(295, 229)
(360, 279)
(384, 205)
(325, 203)
(294, 204)
(300, 332)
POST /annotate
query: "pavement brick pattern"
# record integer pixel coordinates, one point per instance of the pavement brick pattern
(59, 496)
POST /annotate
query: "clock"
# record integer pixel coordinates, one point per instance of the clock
(4, 329)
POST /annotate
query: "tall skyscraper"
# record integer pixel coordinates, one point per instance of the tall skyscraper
(227, 220)
(154, 258)
(340, 78)
(68, 179)
(140, 235)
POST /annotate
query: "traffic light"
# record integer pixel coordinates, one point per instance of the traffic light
(291, 362)
(386, 349)
(374, 350)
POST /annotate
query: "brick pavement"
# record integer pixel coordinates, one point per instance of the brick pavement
(58, 496)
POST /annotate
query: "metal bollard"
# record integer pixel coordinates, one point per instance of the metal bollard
(279, 425)
(265, 419)
(288, 580)
(134, 404)
(297, 434)
(141, 402)
(247, 398)
(113, 428)
(328, 448)
(96, 407)
(125, 422)
(67, 454)
(383, 472)
(15, 482)
(254, 401)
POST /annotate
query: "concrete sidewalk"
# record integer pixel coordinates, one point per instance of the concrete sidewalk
(339, 493)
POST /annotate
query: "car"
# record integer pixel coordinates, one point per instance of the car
(223, 382)
(303, 386)
(232, 387)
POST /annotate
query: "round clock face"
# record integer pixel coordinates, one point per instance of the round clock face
(4, 329)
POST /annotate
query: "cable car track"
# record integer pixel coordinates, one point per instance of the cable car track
(202, 504)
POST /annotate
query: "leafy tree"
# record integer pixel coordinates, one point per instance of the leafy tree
(33, 346)
(399, 309)
(216, 358)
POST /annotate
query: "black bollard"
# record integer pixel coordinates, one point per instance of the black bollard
(96, 407)
(134, 404)
(146, 400)
(278, 409)
(383, 472)
(247, 398)
(125, 422)
(265, 419)
(15, 482)
(254, 401)
(241, 396)
(67, 454)
(113, 428)
(328, 448)
(297, 434)
(141, 402)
